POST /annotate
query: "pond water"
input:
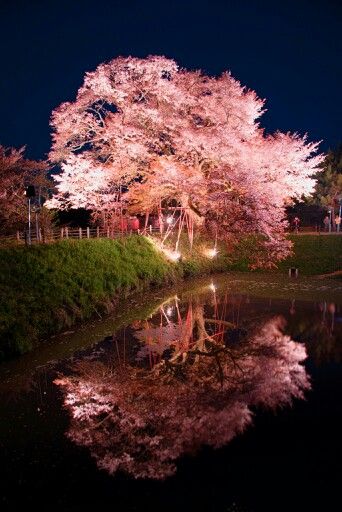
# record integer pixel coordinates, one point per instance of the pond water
(214, 400)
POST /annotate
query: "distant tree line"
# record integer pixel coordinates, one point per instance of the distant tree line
(17, 173)
(327, 194)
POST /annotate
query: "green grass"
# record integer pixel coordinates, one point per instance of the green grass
(196, 261)
(48, 288)
(312, 255)
(315, 254)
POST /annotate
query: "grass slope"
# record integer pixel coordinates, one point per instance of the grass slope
(315, 254)
(48, 288)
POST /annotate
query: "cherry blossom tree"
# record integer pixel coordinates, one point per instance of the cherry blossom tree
(143, 133)
(16, 173)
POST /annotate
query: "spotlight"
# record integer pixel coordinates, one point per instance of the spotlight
(211, 253)
(174, 256)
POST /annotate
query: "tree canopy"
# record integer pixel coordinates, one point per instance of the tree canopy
(16, 173)
(143, 132)
(328, 189)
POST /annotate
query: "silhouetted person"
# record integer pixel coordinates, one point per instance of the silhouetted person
(296, 222)
(326, 222)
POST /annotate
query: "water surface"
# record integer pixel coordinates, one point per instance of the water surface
(209, 399)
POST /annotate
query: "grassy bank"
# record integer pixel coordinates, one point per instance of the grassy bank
(312, 255)
(48, 288)
(315, 254)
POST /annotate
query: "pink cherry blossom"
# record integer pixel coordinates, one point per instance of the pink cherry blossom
(143, 132)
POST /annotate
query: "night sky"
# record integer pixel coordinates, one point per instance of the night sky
(290, 52)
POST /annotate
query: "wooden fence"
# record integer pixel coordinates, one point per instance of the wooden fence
(65, 233)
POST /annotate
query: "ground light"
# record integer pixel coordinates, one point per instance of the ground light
(211, 253)
(169, 253)
(172, 255)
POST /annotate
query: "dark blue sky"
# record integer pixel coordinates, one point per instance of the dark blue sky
(290, 52)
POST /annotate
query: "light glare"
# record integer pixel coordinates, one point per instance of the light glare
(211, 253)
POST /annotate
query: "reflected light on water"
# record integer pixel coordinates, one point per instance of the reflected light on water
(193, 381)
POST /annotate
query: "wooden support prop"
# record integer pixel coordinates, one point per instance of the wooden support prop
(88, 232)
(160, 219)
(180, 227)
(147, 214)
(18, 236)
(66, 232)
(98, 231)
(80, 232)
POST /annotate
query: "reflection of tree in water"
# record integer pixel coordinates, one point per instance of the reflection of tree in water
(320, 331)
(141, 420)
